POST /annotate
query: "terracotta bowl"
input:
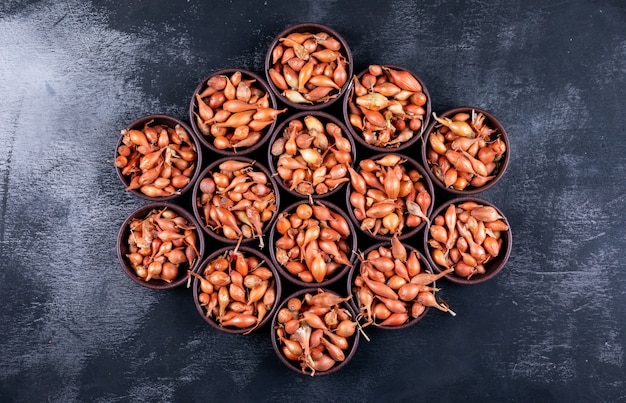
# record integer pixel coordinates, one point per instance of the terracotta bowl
(283, 142)
(408, 164)
(292, 95)
(253, 104)
(305, 300)
(492, 160)
(255, 269)
(229, 201)
(180, 154)
(127, 251)
(375, 91)
(285, 251)
(435, 248)
(380, 316)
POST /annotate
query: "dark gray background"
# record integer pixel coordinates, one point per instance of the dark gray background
(73, 327)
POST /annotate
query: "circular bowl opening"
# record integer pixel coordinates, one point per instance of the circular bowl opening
(176, 241)
(246, 279)
(296, 318)
(311, 243)
(387, 108)
(236, 197)
(309, 154)
(481, 158)
(158, 158)
(308, 50)
(379, 211)
(232, 111)
(476, 221)
(400, 304)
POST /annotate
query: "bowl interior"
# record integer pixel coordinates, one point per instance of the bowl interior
(213, 168)
(207, 139)
(425, 267)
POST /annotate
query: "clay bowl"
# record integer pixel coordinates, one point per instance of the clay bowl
(438, 165)
(252, 274)
(126, 252)
(305, 299)
(294, 97)
(295, 128)
(252, 108)
(382, 317)
(376, 93)
(493, 266)
(408, 164)
(185, 157)
(229, 201)
(284, 249)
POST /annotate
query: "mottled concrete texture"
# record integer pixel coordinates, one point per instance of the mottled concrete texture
(551, 327)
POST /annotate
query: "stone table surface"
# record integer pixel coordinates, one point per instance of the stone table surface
(550, 327)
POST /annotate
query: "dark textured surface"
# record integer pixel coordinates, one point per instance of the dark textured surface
(551, 327)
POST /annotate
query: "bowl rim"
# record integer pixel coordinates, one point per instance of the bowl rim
(501, 169)
(426, 266)
(372, 148)
(265, 131)
(300, 27)
(158, 118)
(340, 272)
(414, 231)
(275, 345)
(277, 283)
(502, 258)
(271, 159)
(196, 189)
(122, 236)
